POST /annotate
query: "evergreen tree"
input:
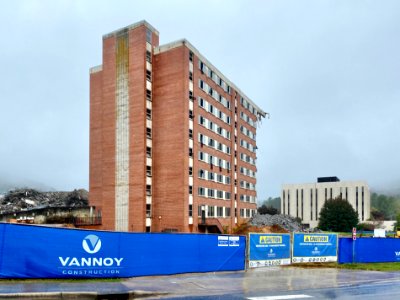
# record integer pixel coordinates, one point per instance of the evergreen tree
(337, 215)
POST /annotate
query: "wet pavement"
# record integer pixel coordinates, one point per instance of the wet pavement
(225, 285)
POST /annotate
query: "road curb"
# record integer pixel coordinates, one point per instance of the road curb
(81, 295)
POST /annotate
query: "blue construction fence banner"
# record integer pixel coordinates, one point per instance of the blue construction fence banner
(314, 247)
(28, 251)
(268, 249)
(369, 250)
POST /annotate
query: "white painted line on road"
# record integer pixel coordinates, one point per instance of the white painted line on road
(284, 297)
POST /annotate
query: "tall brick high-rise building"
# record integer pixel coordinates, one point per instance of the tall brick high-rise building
(172, 140)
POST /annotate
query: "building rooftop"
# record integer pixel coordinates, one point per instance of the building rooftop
(328, 179)
(181, 42)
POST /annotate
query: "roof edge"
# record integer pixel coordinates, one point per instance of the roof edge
(185, 42)
(132, 26)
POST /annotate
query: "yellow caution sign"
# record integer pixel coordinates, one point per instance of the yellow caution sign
(316, 239)
(270, 239)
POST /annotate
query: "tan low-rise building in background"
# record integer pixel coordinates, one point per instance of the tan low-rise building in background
(305, 201)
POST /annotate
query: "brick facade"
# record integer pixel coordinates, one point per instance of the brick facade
(153, 104)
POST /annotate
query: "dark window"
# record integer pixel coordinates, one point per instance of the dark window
(191, 114)
(148, 133)
(357, 199)
(191, 56)
(148, 171)
(190, 133)
(190, 190)
(148, 210)
(190, 171)
(190, 76)
(148, 151)
(191, 95)
(316, 204)
(148, 95)
(148, 75)
(190, 210)
(227, 211)
(148, 114)
(190, 152)
(283, 202)
(302, 204)
(148, 56)
(148, 190)
(311, 206)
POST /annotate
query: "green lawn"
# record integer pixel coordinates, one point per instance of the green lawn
(383, 267)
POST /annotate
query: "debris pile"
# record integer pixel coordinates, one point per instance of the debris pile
(287, 222)
(26, 199)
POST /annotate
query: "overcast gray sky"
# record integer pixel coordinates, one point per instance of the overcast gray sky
(328, 72)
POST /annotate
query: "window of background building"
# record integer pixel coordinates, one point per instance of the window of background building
(148, 113)
(148, 133)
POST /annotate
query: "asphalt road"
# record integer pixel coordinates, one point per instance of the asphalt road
(290, 283)
(273, 283)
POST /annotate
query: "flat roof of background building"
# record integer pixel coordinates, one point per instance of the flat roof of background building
(328, 179)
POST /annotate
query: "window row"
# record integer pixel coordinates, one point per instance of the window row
(247, 172)
(247, 185)
(212, 193)
(247, 132)
(215, 111)
(213, 160)
(214, 127)
(247, 119)
(214, 211)
(246, 104)
(247, 159)
(247, 198)
(214, 76)
(208, 175)
(213, 93)
(247, 213)
(245, 144)
(205, 140)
